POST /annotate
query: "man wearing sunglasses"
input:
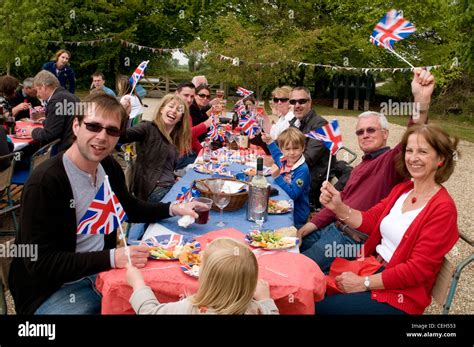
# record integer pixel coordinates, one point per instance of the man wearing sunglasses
(369, 182)
(56, 196)
(316, 154)
(60, 111)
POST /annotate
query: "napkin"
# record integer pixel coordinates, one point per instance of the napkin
(185, 221)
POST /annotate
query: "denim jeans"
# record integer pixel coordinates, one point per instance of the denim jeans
(324, 245)
(354, 304)
(137, 230)
(79, 297)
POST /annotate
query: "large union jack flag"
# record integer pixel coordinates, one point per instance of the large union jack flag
(244, 92)
(101, 216)
(329, 134)
(391, 28)
(138, 73)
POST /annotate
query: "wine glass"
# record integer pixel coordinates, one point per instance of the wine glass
(221, 199)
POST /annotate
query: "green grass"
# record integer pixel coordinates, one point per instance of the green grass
(459, 126)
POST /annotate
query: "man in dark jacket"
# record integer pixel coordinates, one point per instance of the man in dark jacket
(61, 107)
(59, 277)
(316, 154)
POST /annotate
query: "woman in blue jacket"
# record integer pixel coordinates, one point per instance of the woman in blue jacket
(61, 69)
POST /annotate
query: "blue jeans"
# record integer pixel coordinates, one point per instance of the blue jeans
(79, 297)
(323, 246)
(137, 230)
(354, 303)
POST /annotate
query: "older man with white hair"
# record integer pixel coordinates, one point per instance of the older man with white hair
(370, 181)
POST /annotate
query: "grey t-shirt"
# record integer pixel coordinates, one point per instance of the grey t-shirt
(84, 191)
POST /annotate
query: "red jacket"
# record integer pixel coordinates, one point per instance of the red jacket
(411, 273)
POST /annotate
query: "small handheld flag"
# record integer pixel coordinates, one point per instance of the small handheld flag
(244, 92)
(104, 215)
(329, 134)
(249, 125)
(392, 28)
(331, 137)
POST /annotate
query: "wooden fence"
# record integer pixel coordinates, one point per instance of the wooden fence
(159, 86)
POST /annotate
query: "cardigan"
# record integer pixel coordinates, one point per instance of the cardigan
(48, 219)
(409, 276)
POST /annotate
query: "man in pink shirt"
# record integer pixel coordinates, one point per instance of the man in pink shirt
(324, 238)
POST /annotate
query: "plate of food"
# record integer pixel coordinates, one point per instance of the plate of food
(170, 246)
(280, 206)
(190, 263)
(251, 171)
(270, 240)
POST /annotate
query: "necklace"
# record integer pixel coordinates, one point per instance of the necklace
(415, 199)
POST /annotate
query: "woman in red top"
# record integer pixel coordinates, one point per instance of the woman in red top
(410, 231)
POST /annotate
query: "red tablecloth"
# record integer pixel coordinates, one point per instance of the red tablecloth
(296, 282)
(21, 125)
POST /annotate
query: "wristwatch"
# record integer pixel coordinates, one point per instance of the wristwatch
(367, 283)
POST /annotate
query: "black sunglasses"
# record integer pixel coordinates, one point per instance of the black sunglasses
(97, 128)
(299, 101)
(204, 96)
(275, 100)
(369, 130)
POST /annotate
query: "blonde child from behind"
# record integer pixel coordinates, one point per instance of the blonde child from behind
(228, 284)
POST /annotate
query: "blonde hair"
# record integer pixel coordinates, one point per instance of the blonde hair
(60, 52)
(122, 85)
(228, 277)
(285, 90)
(291, 136)
(180, 136)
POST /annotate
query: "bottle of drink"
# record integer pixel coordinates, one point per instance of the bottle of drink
(258, 195)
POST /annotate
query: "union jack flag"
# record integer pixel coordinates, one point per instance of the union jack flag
(329, 134)
(391, 28)
(138, 73)
(101, 216)
(249, 125)
(240, 109)
(244, 92)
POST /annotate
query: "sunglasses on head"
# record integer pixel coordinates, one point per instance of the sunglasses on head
(204, 96)
(298, 101)
(97, 128)
(275, 100)
(369, 130)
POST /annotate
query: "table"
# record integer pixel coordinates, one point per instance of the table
(19, 144)
(236, 219)
(296, 282)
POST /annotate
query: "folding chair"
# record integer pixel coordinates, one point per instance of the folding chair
(41, 155)
(5, 194)
(445, 287)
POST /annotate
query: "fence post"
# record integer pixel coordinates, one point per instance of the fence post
(167, 85)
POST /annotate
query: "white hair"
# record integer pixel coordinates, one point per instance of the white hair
(382, 119)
